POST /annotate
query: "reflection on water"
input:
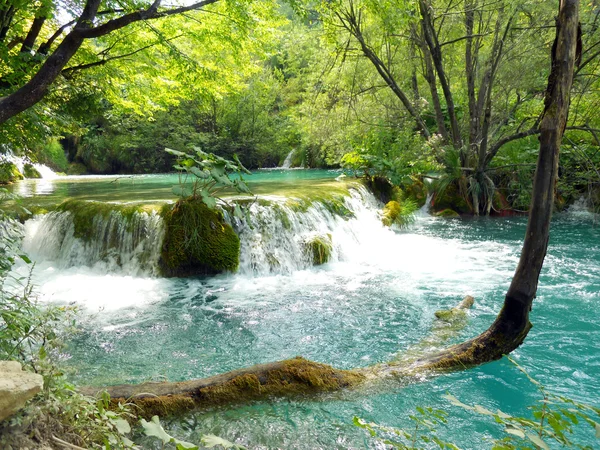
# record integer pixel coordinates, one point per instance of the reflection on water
(35, 186)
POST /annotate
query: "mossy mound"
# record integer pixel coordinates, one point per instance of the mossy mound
(451, 199)
(447, 213)
(84, 212)
(319, 249)
(415, 191)
(197, 240)
(9, 173)
(31, 172)
(391, 213)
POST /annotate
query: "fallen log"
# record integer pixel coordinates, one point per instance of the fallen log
(290, 377)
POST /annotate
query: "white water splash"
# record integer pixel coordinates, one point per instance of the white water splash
(287, 163)
(116, 245)
(20, 161)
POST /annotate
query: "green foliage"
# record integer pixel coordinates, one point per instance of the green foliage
(204, 175)
(53, 155)
(153, 428)
(392, 154)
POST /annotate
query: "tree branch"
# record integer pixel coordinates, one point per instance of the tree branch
(148, 14)
(454, 41)
(69, 71)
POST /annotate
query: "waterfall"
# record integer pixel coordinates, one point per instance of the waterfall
(287, 163)
(275, 235)
(20, 161)
(116, 243)
(424, 210)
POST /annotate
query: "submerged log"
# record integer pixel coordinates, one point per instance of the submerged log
(287, 378)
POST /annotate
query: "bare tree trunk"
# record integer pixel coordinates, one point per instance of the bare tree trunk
(436, 53)
(429, 75)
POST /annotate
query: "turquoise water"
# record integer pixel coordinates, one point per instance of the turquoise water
(158, 187)
(374, 299)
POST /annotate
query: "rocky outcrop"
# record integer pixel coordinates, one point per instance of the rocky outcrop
(16, 387)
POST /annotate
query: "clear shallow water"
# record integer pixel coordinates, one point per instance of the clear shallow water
(158, 187)
(377, 297)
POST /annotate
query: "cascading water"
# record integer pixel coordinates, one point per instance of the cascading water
(287, 163)
(274, 237)
(129, 245)
(20, 161)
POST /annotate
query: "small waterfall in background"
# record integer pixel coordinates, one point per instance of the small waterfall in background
(20, 161)
(287, 163)
(426, 208)
(128, 245)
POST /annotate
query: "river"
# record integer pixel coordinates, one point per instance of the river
(376, 297)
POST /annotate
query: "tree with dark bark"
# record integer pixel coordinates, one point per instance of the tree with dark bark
(44, 57)
(300, 376)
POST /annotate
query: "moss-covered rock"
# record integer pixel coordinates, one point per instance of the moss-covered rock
(197, 240)
(447, 213)
(84, 212)
(9, 173)
(391, 213)
(31, 172)
(319, 248)
(451, 199)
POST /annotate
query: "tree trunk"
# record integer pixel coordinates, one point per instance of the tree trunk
(436, 54)
(512, 324)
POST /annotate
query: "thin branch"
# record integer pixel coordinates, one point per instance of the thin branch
(148, 14)
(68, 72)
(453, 41)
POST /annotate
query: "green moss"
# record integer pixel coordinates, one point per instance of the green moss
(9, 173)
(31, 172)
(197, 240)
(84, 212)
(391, 213)
(295, 376)
(337, 207)
(319, 249)
(448, 213)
